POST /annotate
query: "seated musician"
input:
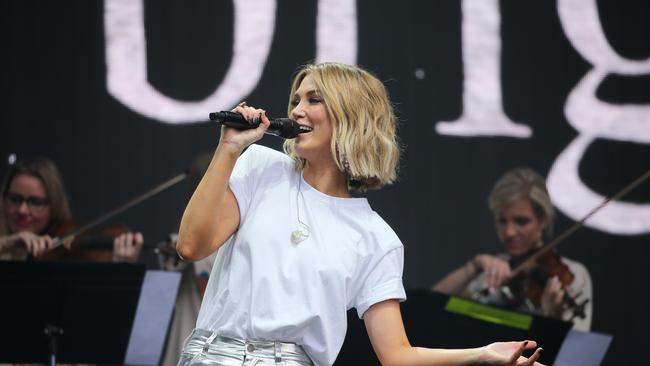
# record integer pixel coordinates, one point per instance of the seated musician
(34, 209)
(523, 213)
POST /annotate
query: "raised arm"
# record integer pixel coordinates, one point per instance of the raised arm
(212, 214)
(386, 332)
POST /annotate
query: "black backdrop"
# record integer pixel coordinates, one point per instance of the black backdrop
(55, 103)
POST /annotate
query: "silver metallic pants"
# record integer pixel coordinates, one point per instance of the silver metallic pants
(204, 347)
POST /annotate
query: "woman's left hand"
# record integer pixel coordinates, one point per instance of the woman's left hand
(510, 354)
(126, 247)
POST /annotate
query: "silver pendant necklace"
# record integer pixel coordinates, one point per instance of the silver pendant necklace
(302, 233)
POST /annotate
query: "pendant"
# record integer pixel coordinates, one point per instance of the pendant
(298, 235)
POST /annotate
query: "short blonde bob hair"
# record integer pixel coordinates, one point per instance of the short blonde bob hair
(524, 183)
(364, 140)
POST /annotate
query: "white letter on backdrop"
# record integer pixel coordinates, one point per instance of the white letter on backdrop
(482, 104)
(594, 118)
(336, 31)
(126, 61)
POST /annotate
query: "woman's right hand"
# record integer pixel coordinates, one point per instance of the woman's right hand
(37, 245)
(212, 214)
(238, 140)
(496, 270)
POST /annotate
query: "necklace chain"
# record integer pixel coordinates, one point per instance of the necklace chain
(302, 233)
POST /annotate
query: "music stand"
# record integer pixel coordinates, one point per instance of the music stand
(93, 303)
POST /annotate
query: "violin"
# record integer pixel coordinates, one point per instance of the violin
(168, 258)
(92, 245)
(66, 234)
(527, 288)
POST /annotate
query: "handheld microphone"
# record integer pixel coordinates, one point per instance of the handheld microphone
(282, 127)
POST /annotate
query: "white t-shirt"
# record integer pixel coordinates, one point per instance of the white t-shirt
(265, 287)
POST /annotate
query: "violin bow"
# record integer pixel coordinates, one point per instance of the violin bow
(127, 205)
(560, 238)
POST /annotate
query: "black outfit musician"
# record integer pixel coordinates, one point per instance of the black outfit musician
(523, 212)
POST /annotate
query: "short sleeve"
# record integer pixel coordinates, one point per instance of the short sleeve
(242, 178)
(383, 281)
(257, 165)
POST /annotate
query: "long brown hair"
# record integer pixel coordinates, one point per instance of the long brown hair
(46, 171)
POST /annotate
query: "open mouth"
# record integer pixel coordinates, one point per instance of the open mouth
(305, 128)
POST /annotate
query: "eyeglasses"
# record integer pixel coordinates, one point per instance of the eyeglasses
(34, 203)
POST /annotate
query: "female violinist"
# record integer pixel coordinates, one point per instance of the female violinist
(34, 209)
(523, 213)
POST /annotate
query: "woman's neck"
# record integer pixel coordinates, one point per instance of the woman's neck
(327, 178)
